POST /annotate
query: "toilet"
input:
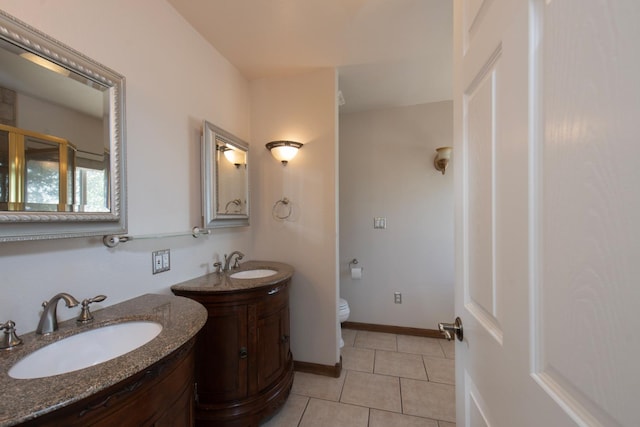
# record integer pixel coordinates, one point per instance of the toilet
(343, 315)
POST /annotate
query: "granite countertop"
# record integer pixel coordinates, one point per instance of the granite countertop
(222, 282)
(25, 399)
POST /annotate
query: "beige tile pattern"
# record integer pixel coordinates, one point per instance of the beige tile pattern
(373, 391)
(290, 414)
(376, 340)
(358, 359)
(427, 399)
(449, 348)
(403, 365)
(318, 386)
(321, 413)
(349, 337)
(440, 370)
(387, 380)
(390, 419)
(420, 345)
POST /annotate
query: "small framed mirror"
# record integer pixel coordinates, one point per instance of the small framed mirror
(62, 154)
(225, 178)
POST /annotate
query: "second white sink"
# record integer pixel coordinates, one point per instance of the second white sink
(258, 273)
(85, 349)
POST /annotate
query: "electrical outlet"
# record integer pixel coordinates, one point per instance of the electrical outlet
(165, 259)
(160, 261)
(397, 297)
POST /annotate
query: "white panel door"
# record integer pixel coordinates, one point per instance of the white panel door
(547, 141)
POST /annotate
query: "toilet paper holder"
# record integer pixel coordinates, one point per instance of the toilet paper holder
(356, 272)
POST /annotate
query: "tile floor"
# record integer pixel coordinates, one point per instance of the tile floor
(387, 380)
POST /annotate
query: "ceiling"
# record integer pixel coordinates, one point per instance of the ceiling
(388, 52)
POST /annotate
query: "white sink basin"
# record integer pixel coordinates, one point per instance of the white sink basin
(85, 349)
(253, 274)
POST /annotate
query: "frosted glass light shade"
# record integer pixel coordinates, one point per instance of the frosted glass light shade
(235, 157)
(283, 151)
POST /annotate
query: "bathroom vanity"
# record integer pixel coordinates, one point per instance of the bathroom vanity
(244, 367)
(149, 386)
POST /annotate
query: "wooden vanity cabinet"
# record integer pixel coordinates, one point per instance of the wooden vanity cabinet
(160, 396)
(244, 367)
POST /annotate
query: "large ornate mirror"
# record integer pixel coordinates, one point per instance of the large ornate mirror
(225, 179)
(62, 171)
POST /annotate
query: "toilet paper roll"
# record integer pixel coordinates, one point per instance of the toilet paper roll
(356, 272)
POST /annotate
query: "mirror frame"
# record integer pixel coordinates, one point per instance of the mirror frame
(210, 194)
(26, 226)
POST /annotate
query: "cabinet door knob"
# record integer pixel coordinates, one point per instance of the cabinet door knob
(243, 353)
(285, 338)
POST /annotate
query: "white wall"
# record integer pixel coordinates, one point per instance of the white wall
(386, 170)
(82, 130)
(174, 80)
(300, 108)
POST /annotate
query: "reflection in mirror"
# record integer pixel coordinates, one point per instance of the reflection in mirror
(61, 139)
(225, 179)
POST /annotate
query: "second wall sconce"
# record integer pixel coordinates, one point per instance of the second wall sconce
(442, 158)
(284, 151)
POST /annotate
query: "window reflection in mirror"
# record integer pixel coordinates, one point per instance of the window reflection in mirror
(46, 177)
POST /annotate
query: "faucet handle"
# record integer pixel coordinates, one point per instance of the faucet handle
(218, 266)
(237, 263)
(85, 313)
(10, 339)
(98, 298)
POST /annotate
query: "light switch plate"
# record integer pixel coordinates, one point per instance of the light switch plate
(380, 222)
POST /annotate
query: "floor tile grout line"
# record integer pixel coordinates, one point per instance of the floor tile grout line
(375, 356)
(401, 399)
(390, 375)
(355, 404)
(304, 411)
(424, 364)
(343, 383)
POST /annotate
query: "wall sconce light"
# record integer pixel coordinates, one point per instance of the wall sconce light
(442, 158)
(283, 151)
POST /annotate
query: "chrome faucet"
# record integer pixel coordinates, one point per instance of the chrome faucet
(49, 319)
(227, 260)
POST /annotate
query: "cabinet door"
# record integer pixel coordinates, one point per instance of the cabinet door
(221, 364)
(272, 337)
